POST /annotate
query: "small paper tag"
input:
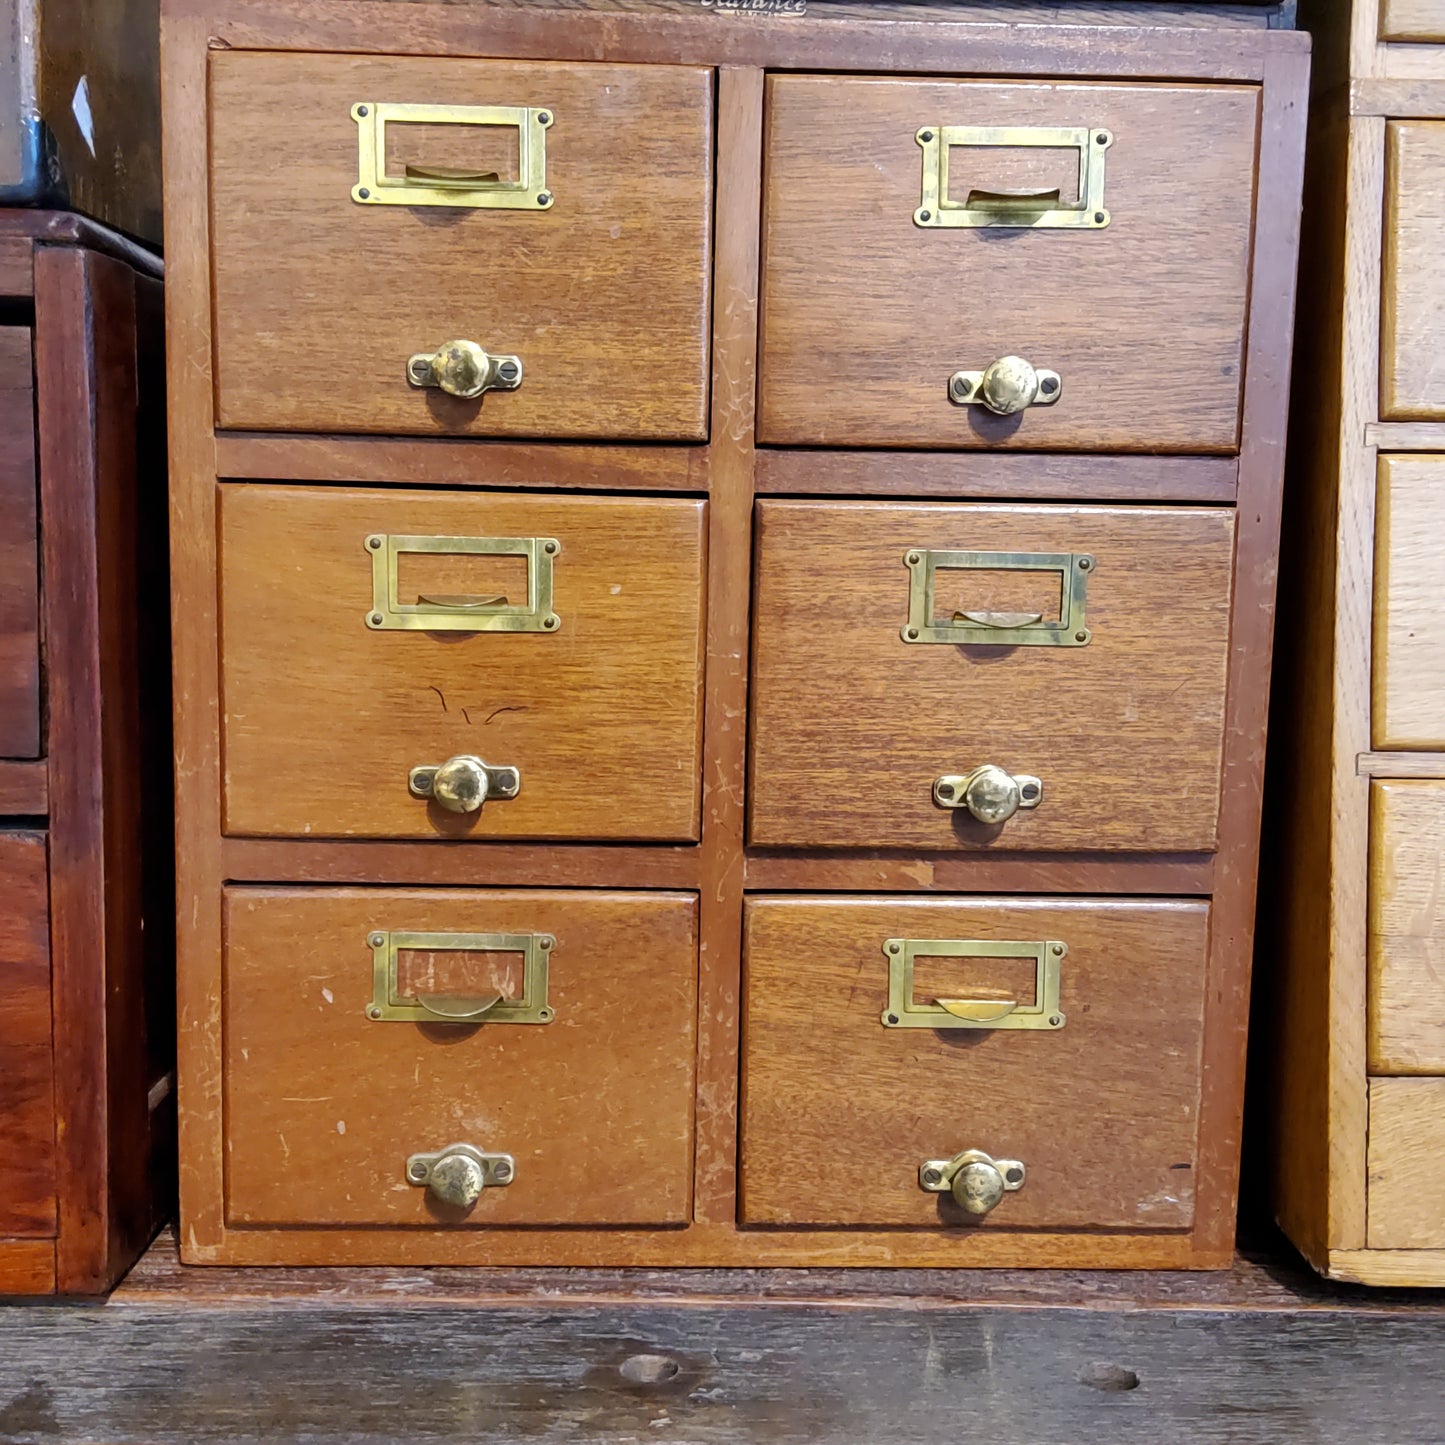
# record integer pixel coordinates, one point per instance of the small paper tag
(760, 7)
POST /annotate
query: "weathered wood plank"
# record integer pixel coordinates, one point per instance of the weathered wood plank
(542, 1370)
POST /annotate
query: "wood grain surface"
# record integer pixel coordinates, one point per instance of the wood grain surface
(323, 1105)
(1014, 475)
(1407, 928)
(1111, 1144)
(851, 725)
(1412, 20)
(27, 1104)
(19, 552)
(325, 717)
(604, 296)
(866, 315)
(1408, 686)
(1407, 1164)
(101, 433)
(1412, 381)
(753, 1362)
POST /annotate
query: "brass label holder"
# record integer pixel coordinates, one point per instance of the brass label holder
(388, 613)
(1024, 210)
(388, 1005)
(421, 185)
(906, 1012)
(998, 629)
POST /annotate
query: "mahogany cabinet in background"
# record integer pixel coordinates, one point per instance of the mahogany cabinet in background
(86, 1035)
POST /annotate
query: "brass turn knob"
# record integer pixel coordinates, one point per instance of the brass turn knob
(457, 1174)
(462, 784)
(988, 792)
(1006, 386)
(462, 368)
(976, 1181)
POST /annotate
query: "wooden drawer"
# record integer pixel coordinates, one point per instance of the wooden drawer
(867, 314)
(1412, 301)
(1406, 1197)
(326, 714)
(1412, 20)
(321, 297)
(27, 1098)
(325, 1105)
(1102, 1110)
(853, 724)
(1408, 689)
(1407, 927)
(19, 554)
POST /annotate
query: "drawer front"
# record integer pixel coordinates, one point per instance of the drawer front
(330, 704)
(1101, 1111)
(1412, 301)
(857, 729)
(592, 1098)
(1412, 20)
(27, 1098)
(19, 553)
(1407, 927)
(1408, 684)
(1406, 1198)
(322, 298)
(868, 314)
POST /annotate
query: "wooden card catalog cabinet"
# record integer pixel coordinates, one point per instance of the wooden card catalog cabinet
(705, 561)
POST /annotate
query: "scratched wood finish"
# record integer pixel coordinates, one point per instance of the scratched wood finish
(27, 1142)
(1408, 686)
(1125, 732)
(1412, 304)
(1407, 928)
(604, 296)
(821, 1148)
(325, 718)
(324, 1105)
(19, 552)
(1407, 1164)
(866, 315)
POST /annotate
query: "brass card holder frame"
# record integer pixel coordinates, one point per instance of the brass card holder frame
(998, 629)
(388, 1005)
(906, 1012)
(1030, 210)
(444, 185)
(388, 613)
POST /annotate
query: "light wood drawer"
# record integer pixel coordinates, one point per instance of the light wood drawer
(1101, 1110)
(1407, 927)
(853, 724)
(867, 314)
(325, 1105)
(19, 554)
(321, 298)
(326, 714)
(27, 1091)
(1412, 20)
(1406, 1198)
(1408, 690)
(1412, 302)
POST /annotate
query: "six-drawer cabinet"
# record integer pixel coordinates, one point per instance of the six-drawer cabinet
(723, 584)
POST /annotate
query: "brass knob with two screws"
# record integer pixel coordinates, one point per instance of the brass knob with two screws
(988, 792)
(976, 1180)
(1006, 386)
(455, 1176)
(463, 783)
(463, 369)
